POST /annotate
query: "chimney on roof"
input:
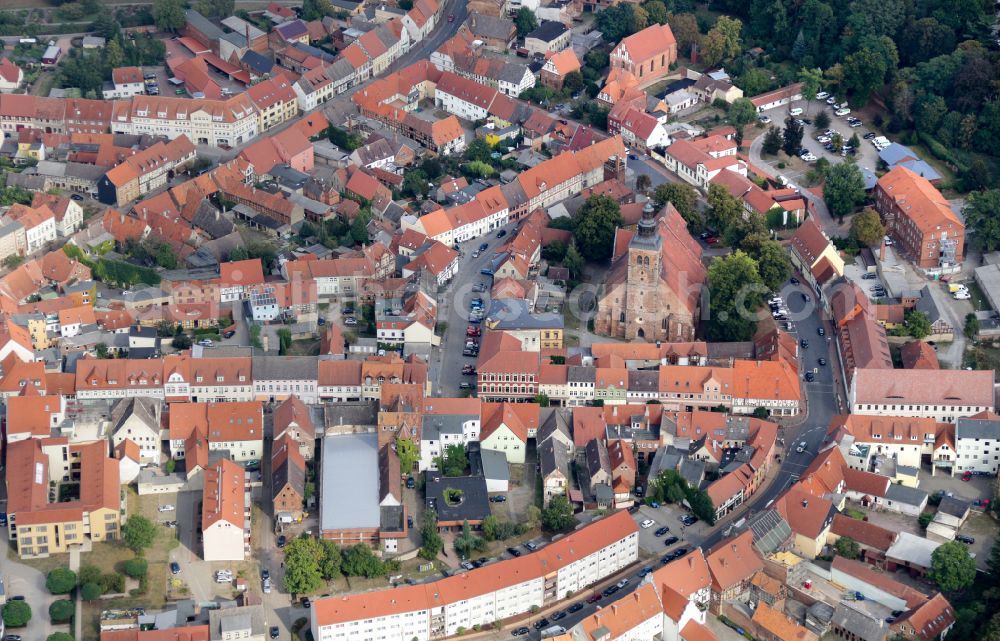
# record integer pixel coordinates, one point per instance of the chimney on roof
(805, 502)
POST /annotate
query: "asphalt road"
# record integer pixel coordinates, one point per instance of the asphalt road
(822, 397)
(446, 366)
(643, 165)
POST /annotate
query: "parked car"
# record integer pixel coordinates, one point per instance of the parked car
(670, 540)
(843, 111)
(661, 531)
(514, 552)
(822, 362)
(821, 331)
(520, 632)
(281, 541)
(175, 567)
(410, 483)
(275, 631)
(648, 523)
(305, 602)
(166, 507)
(796, 111)
(965, 538)
(822, 95)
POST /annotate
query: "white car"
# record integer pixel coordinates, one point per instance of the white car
(831, 100)
(843, 111)
(797, 111)
(648, 523)
(166, 508)
(822, 95)
(962, 295)
(764, 119)
(808, 157)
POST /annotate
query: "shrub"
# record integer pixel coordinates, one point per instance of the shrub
(60, 581)
(135, 568)
(16, 614)
(62, 611)
(90, 592)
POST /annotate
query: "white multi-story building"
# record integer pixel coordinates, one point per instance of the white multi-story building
(225, 513)
(977, 446)
(339, 381)
(944, 395)
(205, 122)
(482, 596)
(275, 378)
(439, 431)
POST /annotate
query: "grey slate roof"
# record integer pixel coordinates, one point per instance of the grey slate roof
(288, 474)
(581, 374)
(860, 625)
(257, 63)
(640, 380)
(434, 425)
(275, 368)
(548, 31)
(556, 421)
(211, 220)
(927, 305)
(552, 456)
(513, 72)
(475, 505)
(954, 506)
(977, 428)
(205, 26)
(905, 495)
(485, 26)
(494, 465)
(513, 314)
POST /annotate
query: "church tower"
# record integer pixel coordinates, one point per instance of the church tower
(644, 250)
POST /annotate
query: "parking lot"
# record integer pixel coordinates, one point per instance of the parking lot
(650, 544)
(866, 155)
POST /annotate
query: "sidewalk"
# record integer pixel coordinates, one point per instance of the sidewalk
(74, 565)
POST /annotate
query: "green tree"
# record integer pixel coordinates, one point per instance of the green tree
(701, 505)
(415, 184)
(754, 81)
(525, 21)
(952, 569)
(62, 611)
(113, 54)
(642, 183)
(105, 25)
(466, 542)
(723, 41)
(169, 14)
(215, 8)
(792, 136)
(572, 83)
(91, 591)
(60, 581)
(13, 261)
(408, 454)
(925, 519)
(724, 209)
(138, 533)
(59, 636)
(165, 257)
(135, 568)
(736, 292)
(773, 264)
(864, 72)
(317, 9)
(971, 327)
(16, 614)
(554, 252)
(284, 340)
(454, 461)
(181, 341)
(573, 262)
(867, 228)
(596, 223)
(101, 350)
(772, 141)
(656, 11)
(496, 530)
(917, 324)
(302, 565)
(359, 560)
(741, 112)
(982, 213)
(822, 120)
(89, 573)
(431, 540)
(558, 514)
(330, 563)
(542, 400)
(359, 227)
(844, 189)
(686, 32)
(811, 80)
(847, 547)
(684, 198)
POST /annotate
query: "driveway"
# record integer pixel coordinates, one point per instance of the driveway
(26, 581)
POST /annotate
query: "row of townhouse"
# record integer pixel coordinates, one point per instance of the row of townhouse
(235, 378)
(556, 179)
(971, 444)
(479, 597)
(506, 373)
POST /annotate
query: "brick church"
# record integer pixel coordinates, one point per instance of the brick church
(654, 285)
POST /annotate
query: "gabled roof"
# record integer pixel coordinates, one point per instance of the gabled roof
(223, 495)
(732, 561)
(293, 410)
(651, 41)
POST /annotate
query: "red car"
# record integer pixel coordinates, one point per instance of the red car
(711, 240)
(594, 597)
(967, 476)
(451, 18)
